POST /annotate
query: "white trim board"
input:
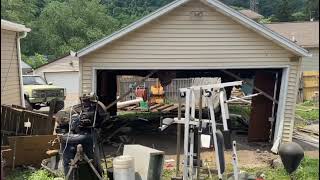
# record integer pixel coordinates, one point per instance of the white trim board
(222, 8)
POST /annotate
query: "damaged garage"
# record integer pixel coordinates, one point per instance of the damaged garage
(202, 39)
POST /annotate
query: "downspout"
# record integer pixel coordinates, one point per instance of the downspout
(20, 68)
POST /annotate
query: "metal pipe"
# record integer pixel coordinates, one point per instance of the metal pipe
(20, 68)
(199, 134)
(186, 134)
(178, 136)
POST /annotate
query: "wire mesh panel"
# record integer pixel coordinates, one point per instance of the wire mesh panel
(171, 91)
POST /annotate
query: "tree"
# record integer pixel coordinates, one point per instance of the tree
(312, 9)
(284, 11)
(21, 11)
(68, 25)
(35, 61)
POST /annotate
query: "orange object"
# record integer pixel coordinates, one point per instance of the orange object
(157, 94)
(157, 89)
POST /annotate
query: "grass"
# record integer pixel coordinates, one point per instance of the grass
(30, 175)
(308, 170)
(308, 111)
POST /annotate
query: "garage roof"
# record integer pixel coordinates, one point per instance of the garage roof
(306, 34)
(220, 7)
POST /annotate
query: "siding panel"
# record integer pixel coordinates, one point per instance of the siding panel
(10, 79)
(179, 40)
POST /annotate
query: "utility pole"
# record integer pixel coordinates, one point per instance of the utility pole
(254, 5)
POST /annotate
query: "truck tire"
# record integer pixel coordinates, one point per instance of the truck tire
(28, 104)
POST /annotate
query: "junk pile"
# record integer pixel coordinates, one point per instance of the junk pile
(79, 140)
(308, 134)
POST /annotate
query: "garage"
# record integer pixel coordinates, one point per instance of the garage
(63, 72)
(70, 80)
(199, 38)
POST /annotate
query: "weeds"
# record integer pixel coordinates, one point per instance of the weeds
(30, 175)
(308, 170)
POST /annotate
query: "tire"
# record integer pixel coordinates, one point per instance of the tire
(36, 106)
(28, 104)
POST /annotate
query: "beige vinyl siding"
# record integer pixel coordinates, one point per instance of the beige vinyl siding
(311, 63)
(61, 65)
(180, 41)
(10, 79)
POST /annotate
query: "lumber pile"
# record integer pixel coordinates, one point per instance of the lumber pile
(153, 107)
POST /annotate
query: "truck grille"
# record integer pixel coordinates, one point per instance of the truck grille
(44, 94)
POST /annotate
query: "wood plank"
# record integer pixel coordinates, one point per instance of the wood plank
(155, 106)
(131, 107)
(175, 106)
(30, 150)
(164, 107)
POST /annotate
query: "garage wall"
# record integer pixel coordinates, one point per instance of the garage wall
(311, 63)
(180, 40)
(67, 63)
(68, 80)
(10, 78)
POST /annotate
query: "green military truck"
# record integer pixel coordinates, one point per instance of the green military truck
(38, 93)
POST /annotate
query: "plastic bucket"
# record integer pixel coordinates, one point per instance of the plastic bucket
(123, 168)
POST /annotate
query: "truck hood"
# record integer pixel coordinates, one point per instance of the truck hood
(39, 87)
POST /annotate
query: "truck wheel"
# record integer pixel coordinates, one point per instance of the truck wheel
(28, 105)
(36, 106)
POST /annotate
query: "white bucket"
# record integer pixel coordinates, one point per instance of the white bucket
(123, 168)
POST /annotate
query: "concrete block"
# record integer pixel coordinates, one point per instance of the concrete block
(148, 162)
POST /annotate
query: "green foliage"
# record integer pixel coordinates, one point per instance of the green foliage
(167, 174)
(308, 169)
(307, 112)
(244, 111)
(127, 11)
(69, 25)
(30, 175)
(283, 10)
(265, 20)
(35, 61)
(21, 11)
(299, 16)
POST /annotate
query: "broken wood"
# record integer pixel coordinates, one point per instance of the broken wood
(29, 150)
(155, 106)
(247, 82)
(175, 106)
(164, 107)
(307, 130)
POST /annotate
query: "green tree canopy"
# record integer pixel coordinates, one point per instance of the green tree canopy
(59, 26)
(69, 25)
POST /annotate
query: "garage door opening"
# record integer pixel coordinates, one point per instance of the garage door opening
(255, 118)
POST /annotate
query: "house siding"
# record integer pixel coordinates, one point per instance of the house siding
(178, 40)
(10, 77)
(61, 65)
(311, 63)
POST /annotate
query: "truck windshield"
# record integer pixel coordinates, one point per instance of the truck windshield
(33, 80)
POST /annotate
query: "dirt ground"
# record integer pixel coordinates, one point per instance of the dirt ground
(250, 155)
